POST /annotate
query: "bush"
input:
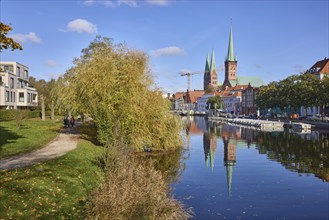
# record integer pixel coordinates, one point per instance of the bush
(9, 115)
(34, 114)
(6, 115)
(134, 190)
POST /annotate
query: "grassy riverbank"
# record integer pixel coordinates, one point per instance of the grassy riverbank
(61, 188)
(33, 134)
(57, 189)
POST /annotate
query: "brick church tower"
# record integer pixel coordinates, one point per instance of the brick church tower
(230, 64)
(210, 74)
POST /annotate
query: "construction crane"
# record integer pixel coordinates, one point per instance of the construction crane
(189, 74)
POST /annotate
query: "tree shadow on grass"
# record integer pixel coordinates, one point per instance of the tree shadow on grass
(7, 136)
(88, 132)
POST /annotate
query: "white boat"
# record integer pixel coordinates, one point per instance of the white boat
(301, 126)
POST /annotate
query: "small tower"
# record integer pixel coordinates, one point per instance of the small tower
(206, 76)
(209, 146)
(229, 162)
(230, 63)
(213, 72)
(210, 74)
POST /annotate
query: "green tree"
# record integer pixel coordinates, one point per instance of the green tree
(7, 42)
(47, 95)
(289, 93)
(294, 91)
(215, 102)
(114, 85)
(323, 89)
(308, 86)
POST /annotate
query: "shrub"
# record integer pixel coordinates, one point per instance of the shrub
(9, 114)
(34, 114)
(134, 190)
(6, 115)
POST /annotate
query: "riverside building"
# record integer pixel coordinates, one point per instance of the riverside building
(15, 92)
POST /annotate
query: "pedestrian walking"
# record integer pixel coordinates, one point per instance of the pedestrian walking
(72, 121)
(66, 121)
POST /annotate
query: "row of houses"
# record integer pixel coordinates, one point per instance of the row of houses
(239, 99)
(15, 91)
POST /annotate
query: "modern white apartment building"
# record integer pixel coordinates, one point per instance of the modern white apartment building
(15, 92)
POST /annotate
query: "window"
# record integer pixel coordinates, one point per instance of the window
(28, 97)
(21, 84)
(7, 68)
(18, 71)
(11, 96)
(11, 82)
(14, 96)
(34, 97)
(7, 96)
(21, 97)
(26, 74)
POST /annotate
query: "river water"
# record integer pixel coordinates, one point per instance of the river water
(230, 172)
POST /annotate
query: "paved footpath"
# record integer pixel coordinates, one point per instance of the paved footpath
(66, 141)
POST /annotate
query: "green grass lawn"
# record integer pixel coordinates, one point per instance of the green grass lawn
(33, 134)
(57, 189)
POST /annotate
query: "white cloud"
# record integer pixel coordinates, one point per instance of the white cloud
(51, 63)
(81, 25)
(168, 51)
(89, 2)
(107, 3)
(111, 3)
(158, 2)
(131, 3)
(24, 38)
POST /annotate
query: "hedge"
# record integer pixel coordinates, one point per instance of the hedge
(8, 115)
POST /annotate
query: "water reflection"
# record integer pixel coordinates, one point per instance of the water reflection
(209, 146)
(234, 172)
(304, 152)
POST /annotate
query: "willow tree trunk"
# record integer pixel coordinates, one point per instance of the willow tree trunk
(43, 111)
(52, 116)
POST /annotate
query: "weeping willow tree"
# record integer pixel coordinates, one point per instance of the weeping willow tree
(114, 85)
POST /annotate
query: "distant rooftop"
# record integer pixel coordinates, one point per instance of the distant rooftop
(320, 67)
(254, 81)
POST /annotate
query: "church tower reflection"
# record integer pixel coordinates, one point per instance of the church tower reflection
(209, 146)
(229, 161)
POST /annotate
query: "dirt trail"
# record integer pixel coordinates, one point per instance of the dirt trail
(66, 141)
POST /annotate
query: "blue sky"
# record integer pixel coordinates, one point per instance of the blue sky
(272, 39)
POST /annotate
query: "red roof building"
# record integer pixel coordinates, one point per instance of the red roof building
(320, 68)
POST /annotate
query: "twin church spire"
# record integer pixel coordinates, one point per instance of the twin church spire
(210, 73)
